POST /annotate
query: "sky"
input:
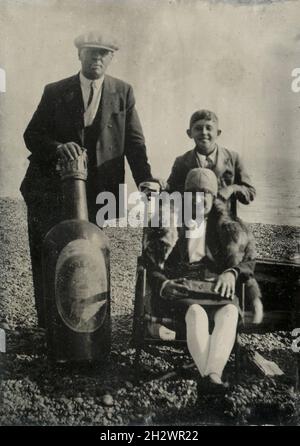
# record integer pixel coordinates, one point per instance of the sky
(232, 57)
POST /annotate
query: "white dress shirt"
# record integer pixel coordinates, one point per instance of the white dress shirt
(90, 112)
(208, 161)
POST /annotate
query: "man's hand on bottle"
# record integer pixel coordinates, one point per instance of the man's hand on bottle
(69, 151)
(225, 285)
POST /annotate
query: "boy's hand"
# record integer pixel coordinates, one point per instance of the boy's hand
(242, 193)
(226, 192)
(225, 285)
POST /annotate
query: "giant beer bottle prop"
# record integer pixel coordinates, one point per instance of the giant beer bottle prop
(76, 276)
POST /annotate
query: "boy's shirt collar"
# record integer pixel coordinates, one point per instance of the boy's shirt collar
(207, 161)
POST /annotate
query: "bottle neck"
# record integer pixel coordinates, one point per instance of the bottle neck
(74, 199)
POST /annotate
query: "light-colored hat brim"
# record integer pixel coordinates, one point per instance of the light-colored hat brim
(96, 45)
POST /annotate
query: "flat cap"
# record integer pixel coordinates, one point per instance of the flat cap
(95, 40)
(200, 179)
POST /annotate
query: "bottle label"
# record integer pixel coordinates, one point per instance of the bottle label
(81, 286)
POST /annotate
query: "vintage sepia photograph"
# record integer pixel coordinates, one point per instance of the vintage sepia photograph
(149, 215)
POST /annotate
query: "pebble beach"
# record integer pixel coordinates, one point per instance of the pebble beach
(36, 392)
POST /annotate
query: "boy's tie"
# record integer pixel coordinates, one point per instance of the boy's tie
(209, 163)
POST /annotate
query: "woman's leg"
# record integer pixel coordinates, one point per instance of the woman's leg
(222, 341)
(197, 335)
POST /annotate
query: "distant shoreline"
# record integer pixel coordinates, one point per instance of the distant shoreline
(243, 214)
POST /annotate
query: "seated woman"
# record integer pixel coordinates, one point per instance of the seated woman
(216, 249)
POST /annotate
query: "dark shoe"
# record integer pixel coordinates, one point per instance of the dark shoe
(202, 386)
(206, 386)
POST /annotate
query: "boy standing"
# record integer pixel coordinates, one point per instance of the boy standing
(233, 181)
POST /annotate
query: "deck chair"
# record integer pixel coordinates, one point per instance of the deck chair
(144, 314)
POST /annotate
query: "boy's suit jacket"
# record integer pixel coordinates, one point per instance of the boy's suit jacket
(59, 119)
(229, 170)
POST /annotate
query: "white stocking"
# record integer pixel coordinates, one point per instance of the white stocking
(222, 339)
(197, 335)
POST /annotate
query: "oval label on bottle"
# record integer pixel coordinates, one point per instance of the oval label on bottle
(81, 286)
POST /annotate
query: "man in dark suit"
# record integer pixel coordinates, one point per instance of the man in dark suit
(90, 111)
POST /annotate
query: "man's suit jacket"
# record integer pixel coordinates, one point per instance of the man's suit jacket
(229, 170)
(59, 119)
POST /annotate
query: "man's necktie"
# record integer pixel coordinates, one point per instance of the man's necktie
(91, 94)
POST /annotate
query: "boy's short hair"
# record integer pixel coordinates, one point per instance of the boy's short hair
(203, 114)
